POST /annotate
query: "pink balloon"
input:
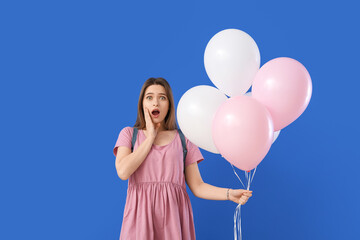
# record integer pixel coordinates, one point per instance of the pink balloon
(284, 86)
(242, 131)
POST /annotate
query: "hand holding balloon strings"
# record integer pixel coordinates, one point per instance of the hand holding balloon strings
(244, 196)
(239, 196)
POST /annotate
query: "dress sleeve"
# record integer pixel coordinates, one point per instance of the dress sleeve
(124, 139)
(193, 153)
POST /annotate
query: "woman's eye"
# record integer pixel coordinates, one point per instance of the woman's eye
(150, 97)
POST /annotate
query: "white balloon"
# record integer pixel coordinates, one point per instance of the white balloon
(249, 94)
(195, 112)
(231, 60)
(276, 134)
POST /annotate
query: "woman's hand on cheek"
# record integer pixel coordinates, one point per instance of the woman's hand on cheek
(150, 127)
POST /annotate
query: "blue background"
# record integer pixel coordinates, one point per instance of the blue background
(71, 73)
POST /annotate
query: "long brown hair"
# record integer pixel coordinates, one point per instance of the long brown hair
(170, 121)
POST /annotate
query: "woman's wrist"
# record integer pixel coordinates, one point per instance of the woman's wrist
(152, 137)
(228, 194)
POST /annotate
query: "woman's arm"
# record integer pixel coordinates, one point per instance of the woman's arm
(207, 191)
(127, 162)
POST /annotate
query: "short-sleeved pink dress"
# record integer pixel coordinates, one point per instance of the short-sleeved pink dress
(157, 204)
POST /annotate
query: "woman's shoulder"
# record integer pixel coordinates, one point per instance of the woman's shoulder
(172, 132)
(127, 130)
(181, 133)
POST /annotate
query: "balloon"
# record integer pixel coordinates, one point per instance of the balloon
(195, 112)
(276, 134)
(248, 94)
(243, 131)
(284, 86)
(231, 60)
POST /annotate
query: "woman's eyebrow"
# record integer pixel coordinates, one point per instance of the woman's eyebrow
(153, 93)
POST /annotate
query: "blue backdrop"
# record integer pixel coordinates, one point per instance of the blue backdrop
(71, 73)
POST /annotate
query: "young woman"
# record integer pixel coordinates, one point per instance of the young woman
(157, 204)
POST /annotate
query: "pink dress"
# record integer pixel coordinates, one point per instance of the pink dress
(157, 204)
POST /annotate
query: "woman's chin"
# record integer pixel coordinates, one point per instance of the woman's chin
(157, 120)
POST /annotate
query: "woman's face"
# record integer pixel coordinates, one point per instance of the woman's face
(156, 101)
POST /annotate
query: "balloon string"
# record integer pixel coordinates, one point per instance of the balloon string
(249, 177)
(237, 175)
(253, 174)
(237, 218)
(237, 215)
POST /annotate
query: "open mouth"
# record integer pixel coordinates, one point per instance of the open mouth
(155, 113)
